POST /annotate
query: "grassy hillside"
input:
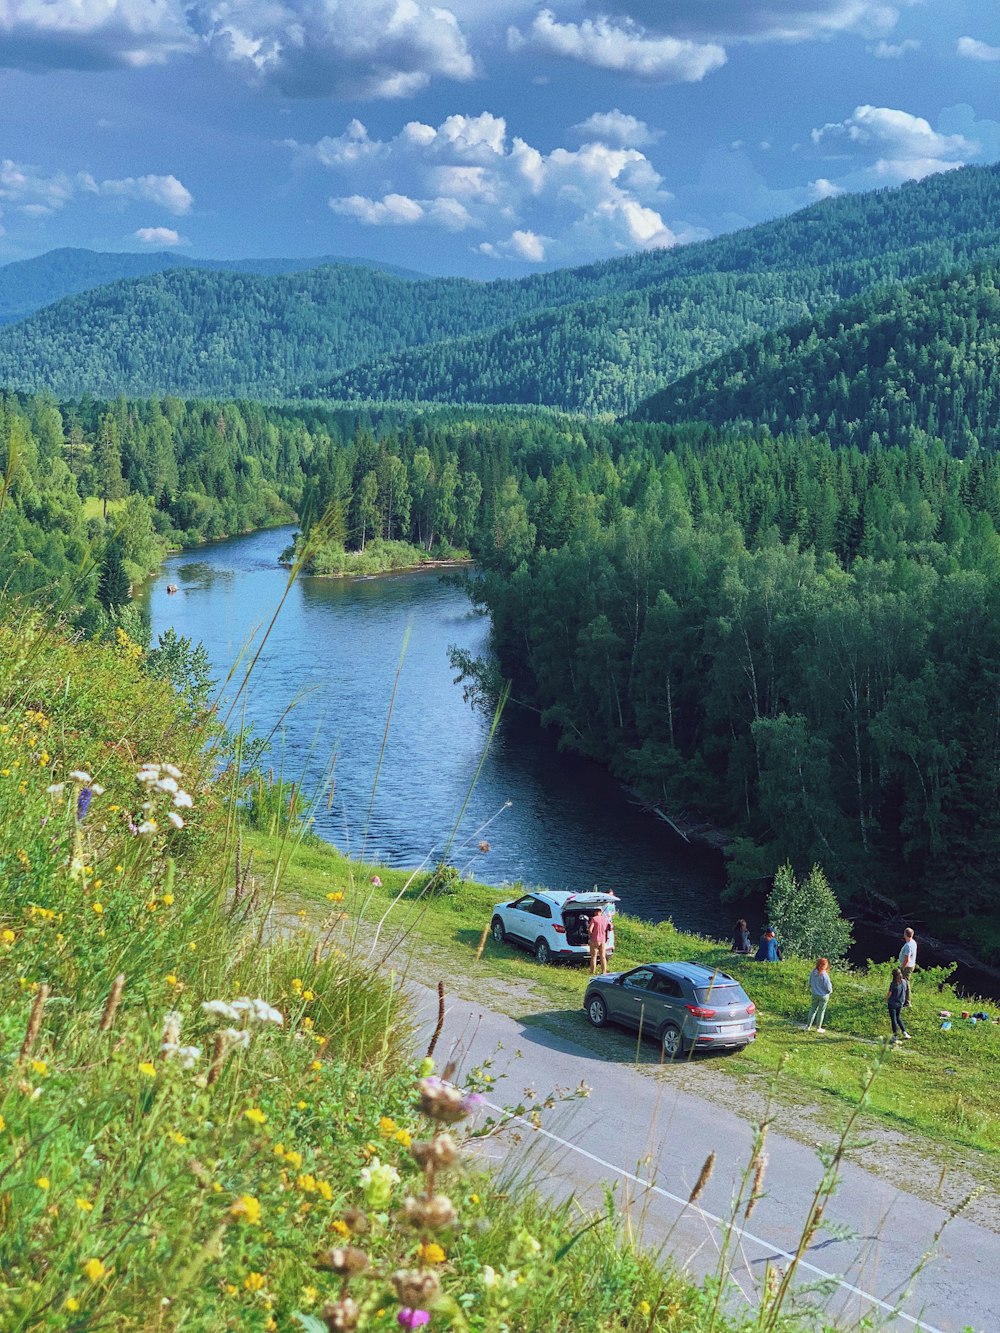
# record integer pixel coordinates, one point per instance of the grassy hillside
(894, 366)
(171, 1166)
(598, 338)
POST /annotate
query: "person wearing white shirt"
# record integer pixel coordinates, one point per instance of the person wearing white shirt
(908, 960)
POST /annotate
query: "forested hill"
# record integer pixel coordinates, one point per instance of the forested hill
(26, 285)
(898, 365)
(598, 338)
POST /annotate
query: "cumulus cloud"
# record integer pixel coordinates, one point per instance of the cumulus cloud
(894, 50)
(617, 127)
(906, 147)
(158, 236)
(760, 20)
(469, 173)
(973, 49)
(300, 48)
(625, 48)
(37, 193)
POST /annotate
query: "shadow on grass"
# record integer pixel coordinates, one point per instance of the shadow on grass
(568, 1030)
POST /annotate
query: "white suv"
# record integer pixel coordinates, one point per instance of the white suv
(552, 925)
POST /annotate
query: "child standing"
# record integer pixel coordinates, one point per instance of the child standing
(895, 1000)
(820, 988)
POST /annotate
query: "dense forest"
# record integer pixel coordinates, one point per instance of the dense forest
(897, 366)
(598, 338)
(26, 285)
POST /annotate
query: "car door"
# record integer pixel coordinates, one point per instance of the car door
(635, 998)
(518, 919)
(670, 1002)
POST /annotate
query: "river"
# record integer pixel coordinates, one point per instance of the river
(324, 685)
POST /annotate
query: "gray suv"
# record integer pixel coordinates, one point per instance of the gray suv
(682, 1005)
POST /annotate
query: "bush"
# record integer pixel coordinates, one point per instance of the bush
(807, 916)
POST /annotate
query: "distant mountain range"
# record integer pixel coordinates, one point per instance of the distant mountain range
(26, 285)
(601, 338)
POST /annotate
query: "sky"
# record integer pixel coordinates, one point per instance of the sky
(481, 137)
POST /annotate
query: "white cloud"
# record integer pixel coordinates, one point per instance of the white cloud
(300, 48)
(617, 127)
(760, 20)
(894, 50)
(905, 146)
(37, 193)
(625, 49)
(166, 191)
(470, 172)
(158, 236)
(824, 189)
(973, 49)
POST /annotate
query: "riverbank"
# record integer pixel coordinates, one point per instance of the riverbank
(329, 560)
(939, 1086)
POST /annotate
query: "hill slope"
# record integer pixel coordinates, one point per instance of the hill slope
(891, 367)
(598, 338)
(27, 285)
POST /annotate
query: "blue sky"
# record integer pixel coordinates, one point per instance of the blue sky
(483, 137)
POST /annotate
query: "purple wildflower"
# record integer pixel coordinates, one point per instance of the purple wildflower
(83, 803)
(408, 1318)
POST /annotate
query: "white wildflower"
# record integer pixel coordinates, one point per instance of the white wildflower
(148, 774)
(175, 819)
(147, 826)
(97, 789)
(172, 1028)
(167, 784)
(220, 1009)
(81, 776)
(188, 1055)
(264, 1013)
(56, 789)
(238, 1036)
(183, 800)
(171, 770)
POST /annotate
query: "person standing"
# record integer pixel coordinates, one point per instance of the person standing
(597, 938)
(741, 937)
(908, 960)
(895, 999)
(820, 988)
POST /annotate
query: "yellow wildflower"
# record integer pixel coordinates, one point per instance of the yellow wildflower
(296, 983)
(255, 1281)
(247, 1209)
(316, 1064)
(325, 1190)
(119, 869)
(308, 1024)
(230, 1289)
(645, 1309)
(307, 1184)
(473, 1198)
(168, 900)
(98, 908)
(3, 1124)
(308, 995)
(302, 1106)
(256, 1116)
(310, 1295)
(294, 1160)
(175, 1136)
(94, 1270)
(84, 1205)
(279, 1150)
(335, 897)
(403, 1136)
(387, 1126)
(43, 1182)
(39, 1067)
(71, 1304)
(341, 1227)
(147, 1069)
(171, 979)
(7, 936)
(431, 1253)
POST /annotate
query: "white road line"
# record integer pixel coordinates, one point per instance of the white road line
(711, 1217)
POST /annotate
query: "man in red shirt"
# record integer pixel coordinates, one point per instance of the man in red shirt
(597, 934)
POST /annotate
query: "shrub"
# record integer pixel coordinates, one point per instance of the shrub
(807, 916)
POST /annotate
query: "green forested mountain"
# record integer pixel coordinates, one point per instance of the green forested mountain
(894, 366)
(26, 285)
(598, 338)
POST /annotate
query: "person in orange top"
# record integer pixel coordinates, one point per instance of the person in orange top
(597, 937)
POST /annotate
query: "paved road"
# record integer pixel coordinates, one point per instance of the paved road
(646, 1138)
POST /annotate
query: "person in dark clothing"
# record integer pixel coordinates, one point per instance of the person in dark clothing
(741, 937)
(769, 950)
(895, 1000)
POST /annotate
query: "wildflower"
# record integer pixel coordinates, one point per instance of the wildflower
(171, 979)
(3, 1124)
(387, 1126)
(147, 826)
(119, 869)
(294, 1159)
(308, 995)
(7, 936)
(473, 1198)
(342, 1315)
(340, 1226)
(175, 1136)
(296, 983)
(335, 897)
(98, 908)
(310, 1295)
(307, 1184)
(431, 1214)
(256, 1116)
(408, 1318)
(83, 799)
(147, 1069)
(188, 1055)
(346, 1262)
(175, 819)
(43, 1183)
(167, 900)
(147, 774)
(167, 784)
(183, 801)
(56, 788)
(171, 770)
(301, 1106)
(80, 776)
(71, 1304)
(247, 1209)
(237, 1037)
(40, 1068)
(84, 1205)
(402, 1136)
(645, 1309)
(316, 1065)
(415, 1288)
(443, 1101)
(255, 1282)
(431, 1253)
(375, 882)
(378, 1182)
(219, 1009)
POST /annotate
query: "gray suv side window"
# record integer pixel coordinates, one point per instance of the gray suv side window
(640, 980)
(669, 987)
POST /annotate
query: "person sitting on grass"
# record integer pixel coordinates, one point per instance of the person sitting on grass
(820, 988)
(769, 950)
(895, 1000)
(741, 937)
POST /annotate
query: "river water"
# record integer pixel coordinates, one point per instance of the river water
(324, 684)
(323, 689)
